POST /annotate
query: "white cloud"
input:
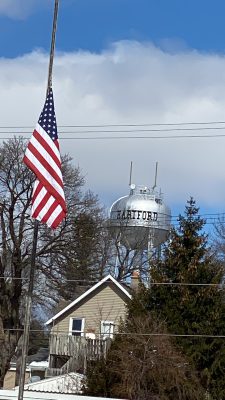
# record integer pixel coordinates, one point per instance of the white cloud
(19, 8)
(129, 83)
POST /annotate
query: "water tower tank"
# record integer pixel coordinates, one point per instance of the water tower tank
(141, 219)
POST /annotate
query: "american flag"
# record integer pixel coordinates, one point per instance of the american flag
(42, 156)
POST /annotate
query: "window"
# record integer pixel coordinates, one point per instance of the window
(76, 326)
(107, 329)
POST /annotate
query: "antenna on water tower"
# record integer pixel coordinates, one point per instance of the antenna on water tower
(156, 172)
(131, 168)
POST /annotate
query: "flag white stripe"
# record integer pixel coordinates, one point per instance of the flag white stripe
(39, 198)
(48, 140)
(45, 173)
(46, 207)
(54, 215)
(46, 156)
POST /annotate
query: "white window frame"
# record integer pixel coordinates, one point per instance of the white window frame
(107, 335)
(71, 326)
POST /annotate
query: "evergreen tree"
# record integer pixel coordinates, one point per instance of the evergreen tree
(188, 305)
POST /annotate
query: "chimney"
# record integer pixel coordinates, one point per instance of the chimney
(135, 280)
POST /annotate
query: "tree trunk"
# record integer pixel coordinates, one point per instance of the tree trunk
(8, 342)
(9, 329)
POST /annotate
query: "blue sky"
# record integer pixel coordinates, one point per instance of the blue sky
(124, 61)
(94, 24)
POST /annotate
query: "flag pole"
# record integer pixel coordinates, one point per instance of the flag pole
(52, 51)
(26, 330)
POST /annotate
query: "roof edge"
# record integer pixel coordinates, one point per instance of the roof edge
(85, 294)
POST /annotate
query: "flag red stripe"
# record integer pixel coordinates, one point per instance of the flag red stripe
(36, 192)
(45, 182)
(56, 143)
(45, 145)
(50, 211)
(58, 219)
(45, 164)
(41, 205)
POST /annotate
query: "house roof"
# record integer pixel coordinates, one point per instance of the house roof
(108, 278)
(68, 383)
(39, 365)
(13, 395)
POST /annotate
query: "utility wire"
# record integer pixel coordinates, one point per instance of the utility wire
(123, 125)
(79, 129)
(147, 130)
(127, 137)
(136, 130)
(219, 218)
(127, 334)
(91, 282)
(173, 218)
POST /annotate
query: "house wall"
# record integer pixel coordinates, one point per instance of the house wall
(106, 303)
(10, 378)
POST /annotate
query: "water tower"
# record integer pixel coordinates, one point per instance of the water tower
(140, 220)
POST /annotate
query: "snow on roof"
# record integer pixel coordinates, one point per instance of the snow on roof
(13, 395)
(41, 355)
(107, 278)
(68, 383)
(39, 364)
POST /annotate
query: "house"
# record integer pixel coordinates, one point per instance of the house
(79, 332)
(10, 377)
(35, 369)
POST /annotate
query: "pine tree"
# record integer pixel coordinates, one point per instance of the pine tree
(188, 305)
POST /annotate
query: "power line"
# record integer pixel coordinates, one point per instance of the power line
(206, 336)
(174, 219)
(133, 130)
(122, 125)
(174, 224)
(145, 124)
(138, 128)
(147, 130)
(172, 335)
(91, 282)
(127, 137)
